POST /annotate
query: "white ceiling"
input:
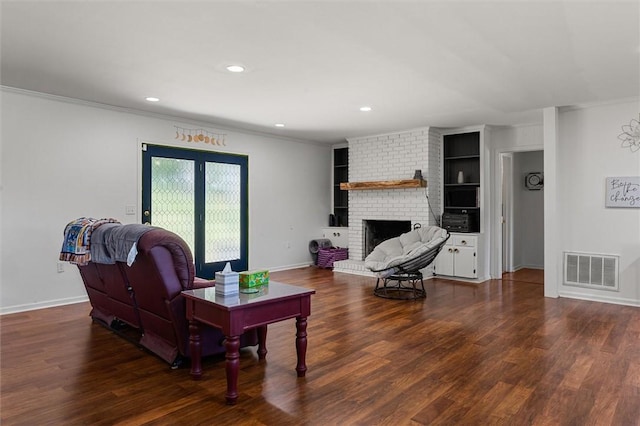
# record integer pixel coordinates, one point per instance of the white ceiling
(311, 65)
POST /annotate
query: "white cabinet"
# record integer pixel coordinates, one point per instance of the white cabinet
(339, 235)
(459, 257)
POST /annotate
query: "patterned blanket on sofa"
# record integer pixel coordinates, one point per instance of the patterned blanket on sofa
(77, 239)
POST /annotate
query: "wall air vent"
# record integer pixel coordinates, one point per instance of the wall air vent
(591, 270)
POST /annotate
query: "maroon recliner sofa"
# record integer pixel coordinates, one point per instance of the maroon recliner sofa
(147, 296)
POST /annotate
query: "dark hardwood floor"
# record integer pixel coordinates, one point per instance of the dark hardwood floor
(493, 353)
(533, 276)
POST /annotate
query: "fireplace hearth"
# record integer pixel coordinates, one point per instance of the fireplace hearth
(377, 231)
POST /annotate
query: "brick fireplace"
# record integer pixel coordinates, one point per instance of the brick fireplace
(391, 156)
(377, 231)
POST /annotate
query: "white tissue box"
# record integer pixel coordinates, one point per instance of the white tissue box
(224, 287)
(227, 281)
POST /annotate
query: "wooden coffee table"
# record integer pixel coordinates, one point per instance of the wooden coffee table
(235, 315)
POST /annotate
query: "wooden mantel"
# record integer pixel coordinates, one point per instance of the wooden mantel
(384, 184)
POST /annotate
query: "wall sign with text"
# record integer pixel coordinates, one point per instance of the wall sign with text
(623, 192)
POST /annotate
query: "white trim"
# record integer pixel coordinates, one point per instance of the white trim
(587, 105)
(515, 126)
(42, 305)
(514, 268)
(288, 267)
(340, 145)
(505, 211)
(539, 267)
(552, 251)
(519, 267)
(396, 133)
(461, 279)
(337, 270)
(599, 298)
(465, 129)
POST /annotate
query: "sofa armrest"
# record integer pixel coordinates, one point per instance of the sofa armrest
(202, 283)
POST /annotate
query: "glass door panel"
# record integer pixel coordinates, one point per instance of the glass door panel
(222, 212)
(173, 196)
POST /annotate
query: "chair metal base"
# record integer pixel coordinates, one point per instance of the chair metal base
(401, 287)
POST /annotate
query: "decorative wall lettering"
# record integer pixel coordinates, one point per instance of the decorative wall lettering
(623, 192)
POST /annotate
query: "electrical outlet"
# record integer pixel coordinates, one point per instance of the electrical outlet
(60, 267)
(130, 210)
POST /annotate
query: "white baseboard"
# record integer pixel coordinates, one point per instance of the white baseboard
(461, 279)
(528, 267)
(519, 267)
(287, 267)
(42, 305)
(354, 272)
(599, 298)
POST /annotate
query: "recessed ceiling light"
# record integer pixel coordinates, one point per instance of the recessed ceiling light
(365, 108)
(235, 68)
(152, 99)
(279, 125)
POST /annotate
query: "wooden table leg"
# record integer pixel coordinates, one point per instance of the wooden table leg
(196, 349)
(233, 365)
(262, 342)
(301, 345)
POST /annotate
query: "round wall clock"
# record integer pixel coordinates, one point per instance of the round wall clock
(533, 181)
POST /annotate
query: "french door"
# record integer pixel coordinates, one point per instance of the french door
(202, 196)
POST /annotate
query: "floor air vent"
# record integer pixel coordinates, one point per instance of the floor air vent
(591, 270)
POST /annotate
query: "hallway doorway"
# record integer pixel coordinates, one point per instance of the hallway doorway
(522, 211)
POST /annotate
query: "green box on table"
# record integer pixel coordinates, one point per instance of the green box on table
(254, 279)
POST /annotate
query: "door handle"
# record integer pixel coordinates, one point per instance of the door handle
(147, 213)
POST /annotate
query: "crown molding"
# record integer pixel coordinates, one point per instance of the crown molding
(149, 114)
(600, 103)
(395, 133)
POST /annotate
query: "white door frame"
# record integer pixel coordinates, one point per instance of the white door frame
(496, 237)
(506, 167)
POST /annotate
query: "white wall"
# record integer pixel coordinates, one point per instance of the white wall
(528, 217)
(64, 159)
(588, 151)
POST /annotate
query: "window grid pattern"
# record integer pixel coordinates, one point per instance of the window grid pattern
(222, 212)
(173, 196)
